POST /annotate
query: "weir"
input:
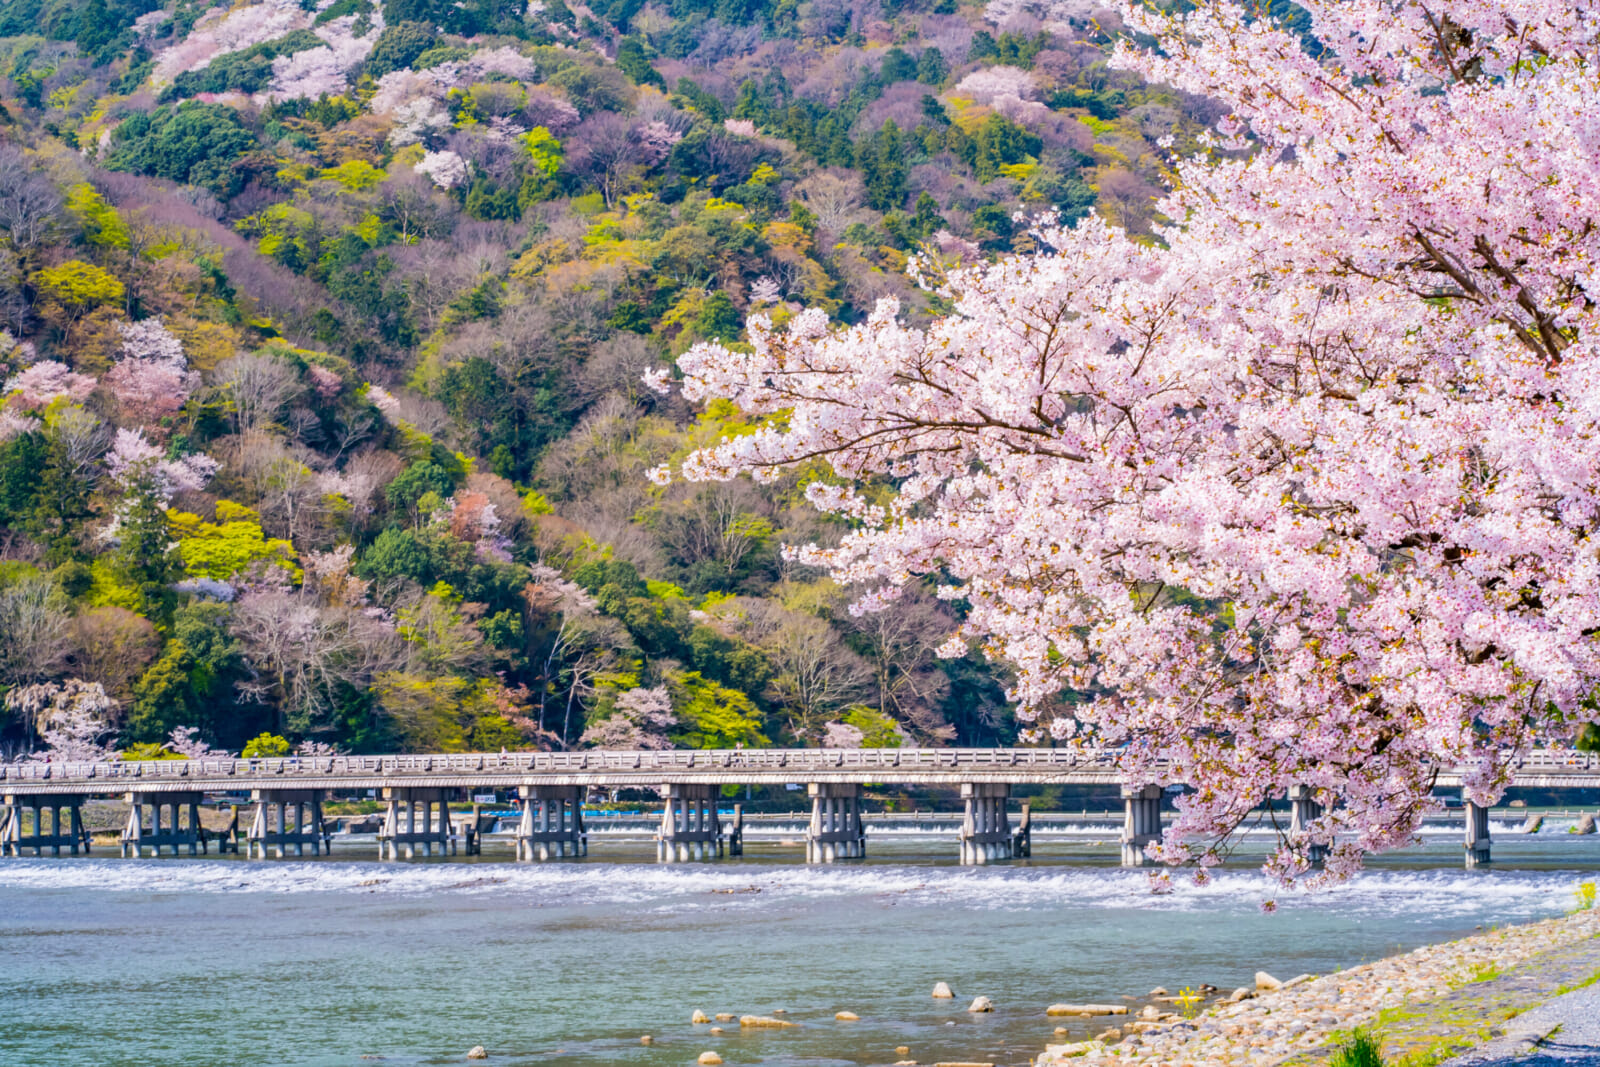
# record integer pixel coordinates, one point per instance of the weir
(160, 831)
(1141, 823)
(404, 831)
(551, 823)
(690, 829)
(835, 832)
(13, 840)
(273, 828)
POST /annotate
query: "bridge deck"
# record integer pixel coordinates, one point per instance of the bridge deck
(886, 766)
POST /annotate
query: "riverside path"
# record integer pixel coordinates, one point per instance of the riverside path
(164, 796)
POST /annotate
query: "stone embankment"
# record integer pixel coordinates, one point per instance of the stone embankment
(1291, 1021)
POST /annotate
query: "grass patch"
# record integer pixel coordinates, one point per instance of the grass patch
(1573, 987)
(1360, 1048)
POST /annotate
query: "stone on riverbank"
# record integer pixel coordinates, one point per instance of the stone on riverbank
(981, 1004)
(1159, 991)
(1265, 981)
(941, 991)
(477, 1052)
(764, 1022)
(1053, 1053)
(699, 1017)
(725, 1016)
(1242, 993)
(1087, 1009)
(709, 1058)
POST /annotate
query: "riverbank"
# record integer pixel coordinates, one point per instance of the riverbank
(1426, 1005)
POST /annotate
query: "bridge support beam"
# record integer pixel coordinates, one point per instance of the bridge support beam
(1141, 823)
(415, 816)
(986, 829)
(165, 827)
(551, 823)
(689, 826)
(1304, 810)
(835, 832)
(47, 809)
(1476, 844)
(276, 811)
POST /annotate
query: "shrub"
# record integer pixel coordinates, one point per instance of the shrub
(266, 746)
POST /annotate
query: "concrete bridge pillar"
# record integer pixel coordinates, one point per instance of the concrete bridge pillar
(1477, 841)
(415, 816)
(835, 832)
(46, 810)
(985, 829)
(1141, 823)
(286, 818)
(165, 827)
(551, 823)
(690, 829)
(1303, 810)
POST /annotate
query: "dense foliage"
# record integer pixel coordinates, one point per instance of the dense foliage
(326, 325)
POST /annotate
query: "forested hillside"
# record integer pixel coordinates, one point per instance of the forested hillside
(325, 331)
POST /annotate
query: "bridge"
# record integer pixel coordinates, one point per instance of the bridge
(165, 795)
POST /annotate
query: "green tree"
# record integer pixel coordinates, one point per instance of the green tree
(714, 716)
(422, 477)
(192, 682)
(396, 554)
(398, 46)
(193, 143)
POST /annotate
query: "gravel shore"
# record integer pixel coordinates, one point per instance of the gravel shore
(1564, 1032)
(1461, 991)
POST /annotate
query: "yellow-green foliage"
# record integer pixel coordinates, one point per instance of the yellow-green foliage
(78, 284)
(545, 149)
(108, 589)
(148, 750)
(229, 546)
(94, 214)
(356, 175)
(713, 715)
(877, 729)
(266, 746)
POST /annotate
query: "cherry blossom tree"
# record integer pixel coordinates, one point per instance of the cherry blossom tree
(640, 720)
(73, 718)
(1304, 494)
(45, 382)
(151, 378)
(446, 169)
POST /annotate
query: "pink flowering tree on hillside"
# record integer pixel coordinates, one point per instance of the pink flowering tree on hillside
(151, 378)
(1305, 495)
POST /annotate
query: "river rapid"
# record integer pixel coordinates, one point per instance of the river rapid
(341, 961)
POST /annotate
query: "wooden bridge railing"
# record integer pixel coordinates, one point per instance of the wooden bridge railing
(799, 761)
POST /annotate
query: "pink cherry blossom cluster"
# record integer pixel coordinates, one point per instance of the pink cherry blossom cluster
(136, 465)
(446, 169)
(45, 382)
(151, 378)
(1305, 494)
(222, 30)
(314, 71)
(983, 85)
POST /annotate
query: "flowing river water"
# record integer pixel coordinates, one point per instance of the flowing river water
(342, 961)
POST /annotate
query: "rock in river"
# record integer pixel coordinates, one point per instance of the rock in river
(941, 991)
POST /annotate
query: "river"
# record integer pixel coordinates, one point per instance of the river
(341, 961)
